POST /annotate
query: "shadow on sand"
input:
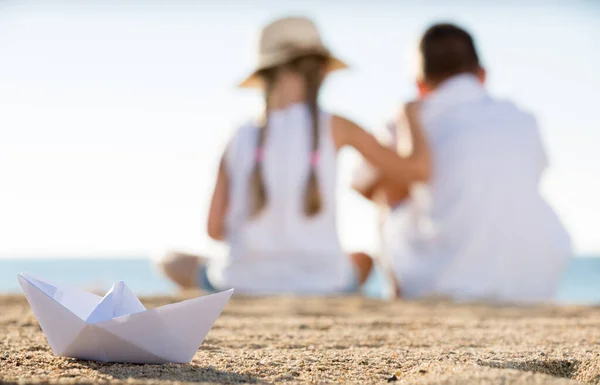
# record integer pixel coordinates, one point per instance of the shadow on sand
(170, 372)
(556, 368)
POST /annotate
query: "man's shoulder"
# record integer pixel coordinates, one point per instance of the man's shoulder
(513, 110)
(500, 111)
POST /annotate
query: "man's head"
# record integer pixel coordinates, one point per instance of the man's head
(446, 50)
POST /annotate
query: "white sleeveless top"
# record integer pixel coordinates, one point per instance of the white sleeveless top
(282, 250)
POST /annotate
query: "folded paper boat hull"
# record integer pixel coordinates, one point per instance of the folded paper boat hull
(170, 333)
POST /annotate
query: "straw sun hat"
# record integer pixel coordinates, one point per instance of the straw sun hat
(287, 39)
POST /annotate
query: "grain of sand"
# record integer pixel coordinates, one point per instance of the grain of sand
(339, 340)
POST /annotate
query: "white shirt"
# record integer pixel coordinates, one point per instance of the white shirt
(283, 250)
(480, 228)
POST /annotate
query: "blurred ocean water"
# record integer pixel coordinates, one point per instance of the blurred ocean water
(580, 284)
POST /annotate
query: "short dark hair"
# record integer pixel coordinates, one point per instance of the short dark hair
(446, 50)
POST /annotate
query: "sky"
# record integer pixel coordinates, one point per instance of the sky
(113, 114)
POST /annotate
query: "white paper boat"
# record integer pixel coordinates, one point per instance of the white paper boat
(117, 327)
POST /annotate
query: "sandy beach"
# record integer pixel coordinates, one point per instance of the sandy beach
(340, 340)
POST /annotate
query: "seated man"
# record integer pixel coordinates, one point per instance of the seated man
(479, 228)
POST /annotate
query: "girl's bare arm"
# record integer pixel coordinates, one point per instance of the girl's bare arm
(218, 205)
(393, 167)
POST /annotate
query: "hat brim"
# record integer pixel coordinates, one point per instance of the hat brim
(255, 80)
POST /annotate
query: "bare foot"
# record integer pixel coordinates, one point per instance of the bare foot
(181, 268)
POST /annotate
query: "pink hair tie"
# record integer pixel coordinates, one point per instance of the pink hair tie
(259, 154)
(314, 158)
